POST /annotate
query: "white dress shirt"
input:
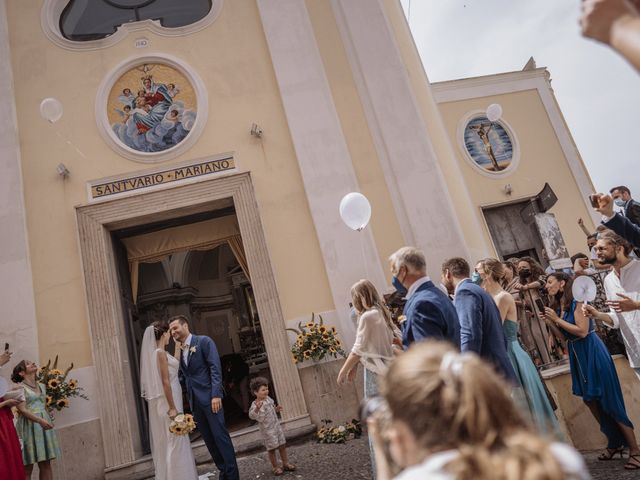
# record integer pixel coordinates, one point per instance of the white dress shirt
(417, 284)
(185, 350)
(628, 283)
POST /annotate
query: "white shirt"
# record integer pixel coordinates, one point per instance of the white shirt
(374, 342)
(434, 467)
(628, 283)
(185, 350)
(417, 284)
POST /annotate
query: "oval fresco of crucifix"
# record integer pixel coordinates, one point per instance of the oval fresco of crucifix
(488, 144)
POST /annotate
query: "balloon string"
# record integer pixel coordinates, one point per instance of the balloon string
(71, 144)
(364, 257)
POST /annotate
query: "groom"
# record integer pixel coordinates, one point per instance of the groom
(201, 373)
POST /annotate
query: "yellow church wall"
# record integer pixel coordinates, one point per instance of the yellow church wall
(541, 160)
(442, 146)
(232, 58)
(384, 223)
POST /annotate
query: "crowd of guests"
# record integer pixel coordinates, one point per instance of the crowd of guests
(456, 381)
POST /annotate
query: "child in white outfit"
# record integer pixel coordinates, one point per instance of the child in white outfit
(264, 411)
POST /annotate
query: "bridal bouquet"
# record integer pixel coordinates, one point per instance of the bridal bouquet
(315, 341)
(58, 387)
(182, 424)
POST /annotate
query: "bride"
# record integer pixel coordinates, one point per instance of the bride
(172, 454)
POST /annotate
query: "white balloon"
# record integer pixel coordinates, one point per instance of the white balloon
(355, 210)
(584, 289)
(494, 112)
(51, 109)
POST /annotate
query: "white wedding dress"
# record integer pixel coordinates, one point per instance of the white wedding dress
(172, 454)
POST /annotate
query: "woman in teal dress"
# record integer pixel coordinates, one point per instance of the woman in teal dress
(35, 428)
(593, 373)
(533, 397)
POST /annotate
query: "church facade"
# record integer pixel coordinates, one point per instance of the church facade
(157, 164)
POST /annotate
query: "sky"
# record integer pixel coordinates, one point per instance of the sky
(598, 92)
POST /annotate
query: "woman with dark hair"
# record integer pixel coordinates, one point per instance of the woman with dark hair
(593, 373)
(159, 384)
(34, 426)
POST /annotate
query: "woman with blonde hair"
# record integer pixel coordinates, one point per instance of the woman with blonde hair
(375, 337)
(535, 399)
(451, 417)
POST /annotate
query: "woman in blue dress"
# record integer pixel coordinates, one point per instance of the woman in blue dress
(533, 396)
(593, 373)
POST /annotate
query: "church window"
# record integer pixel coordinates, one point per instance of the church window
(85, 20)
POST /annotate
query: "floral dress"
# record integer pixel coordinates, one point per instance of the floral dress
(267, 418)
(38, 444)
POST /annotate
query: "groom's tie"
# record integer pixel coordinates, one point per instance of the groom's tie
(185, 354)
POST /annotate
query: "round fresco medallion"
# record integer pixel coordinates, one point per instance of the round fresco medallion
(488, 144)
(152, 107)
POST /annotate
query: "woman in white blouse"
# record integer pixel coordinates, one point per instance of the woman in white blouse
(375, 337)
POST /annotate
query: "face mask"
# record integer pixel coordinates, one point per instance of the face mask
(526, 273)
(476, 278)
(619, 202)
(398, 286)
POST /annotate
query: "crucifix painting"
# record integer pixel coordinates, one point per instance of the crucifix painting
(488, 144)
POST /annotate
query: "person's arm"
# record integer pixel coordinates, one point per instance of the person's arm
(610, 319)
(26, 413)
(163, 368)
(212, 360)
(583, 227)
(9, 403)
(506, 303)
(581, 327)
(470, 317)
(616, 222)
(350, 363)
(615, 23)
(256, 412)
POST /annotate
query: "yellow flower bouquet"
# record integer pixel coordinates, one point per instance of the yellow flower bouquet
(182, 424)
(315, 341)
(59, 388)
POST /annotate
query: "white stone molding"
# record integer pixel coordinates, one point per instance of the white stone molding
(102, 120)
(515, 144)
(106, 323)
(538, 79)
(413, 175)
(50, 23)
(321, 150)
(19, 323)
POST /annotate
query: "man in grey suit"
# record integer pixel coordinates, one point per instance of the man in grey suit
(480, 322)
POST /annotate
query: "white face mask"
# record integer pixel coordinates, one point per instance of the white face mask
(619, 202)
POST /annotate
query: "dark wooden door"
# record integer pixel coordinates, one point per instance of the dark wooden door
(511, 236)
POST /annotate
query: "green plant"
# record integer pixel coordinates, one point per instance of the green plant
(315, 341)
(58, 388)
(339, 434)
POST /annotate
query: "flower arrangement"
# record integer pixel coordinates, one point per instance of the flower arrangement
(182, 424)
(59, 389)
(315, 341)
(339, 434)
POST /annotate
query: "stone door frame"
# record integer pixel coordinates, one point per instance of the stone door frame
(95, 224)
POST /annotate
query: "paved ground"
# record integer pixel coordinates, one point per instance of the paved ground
(351, 461)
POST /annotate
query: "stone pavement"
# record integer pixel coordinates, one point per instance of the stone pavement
(351, 461)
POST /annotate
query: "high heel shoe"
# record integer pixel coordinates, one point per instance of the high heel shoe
(609, 453)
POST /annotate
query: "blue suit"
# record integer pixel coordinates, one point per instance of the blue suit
(481, 328)
(202, 377)
(430, 315)
(625, 228)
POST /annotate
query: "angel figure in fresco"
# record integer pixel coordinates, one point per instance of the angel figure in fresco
(173, 90)
(483, 132)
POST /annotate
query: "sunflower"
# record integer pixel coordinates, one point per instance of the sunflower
(322, 329)
(73, 384)
(332, 349)
(55, 371)
(178, 430)
(325, 336)
(49, 400)
(333, 330)
(306, 354)
(62, 403)
(53, 383)
(310, 324)
(300, 337)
